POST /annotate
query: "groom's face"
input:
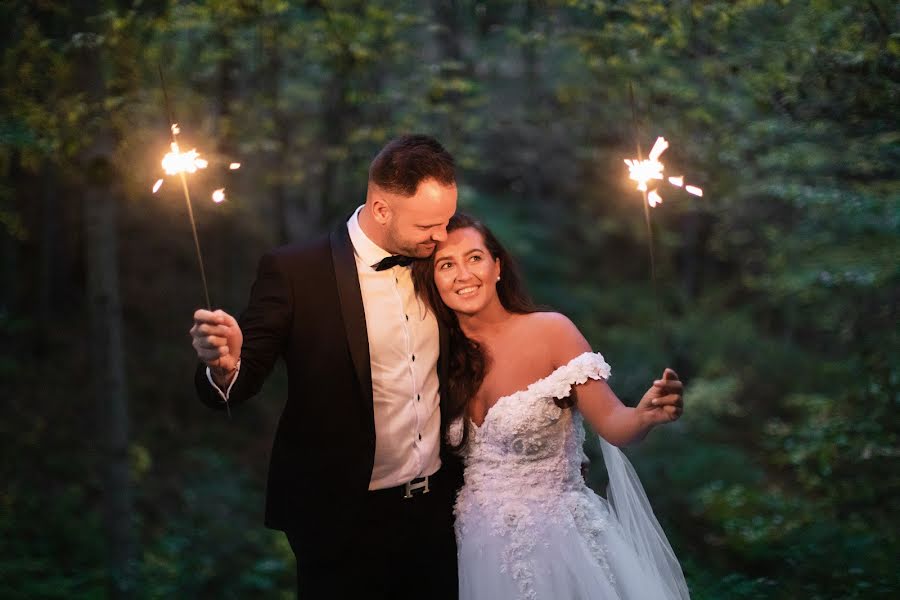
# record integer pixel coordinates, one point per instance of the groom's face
(419, 222)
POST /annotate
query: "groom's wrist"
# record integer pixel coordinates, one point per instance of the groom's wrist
(223, 376)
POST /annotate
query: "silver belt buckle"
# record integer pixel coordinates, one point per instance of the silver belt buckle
(411, 487)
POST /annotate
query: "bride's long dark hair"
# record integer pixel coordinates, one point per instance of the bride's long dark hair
(468, 361)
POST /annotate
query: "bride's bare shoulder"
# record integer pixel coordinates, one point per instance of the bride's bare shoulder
(558, 334)
(551, 323)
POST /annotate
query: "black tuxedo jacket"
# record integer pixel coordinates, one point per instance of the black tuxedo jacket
(306, 307)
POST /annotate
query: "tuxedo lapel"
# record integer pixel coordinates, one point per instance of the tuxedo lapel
(352, 310)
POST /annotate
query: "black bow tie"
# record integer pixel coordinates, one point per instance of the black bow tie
(393, 261)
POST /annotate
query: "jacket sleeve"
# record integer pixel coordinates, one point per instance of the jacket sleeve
(266, 326)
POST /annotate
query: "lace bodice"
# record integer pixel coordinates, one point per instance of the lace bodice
(526, 441)
(523, 468)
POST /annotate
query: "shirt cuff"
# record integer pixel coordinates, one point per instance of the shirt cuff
(227, 392)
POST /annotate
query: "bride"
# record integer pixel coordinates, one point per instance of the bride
(521, 381)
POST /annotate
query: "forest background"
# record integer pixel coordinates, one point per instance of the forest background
(776, 295)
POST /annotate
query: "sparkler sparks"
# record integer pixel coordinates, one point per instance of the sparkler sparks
(176, 161)
(659, 146)
(642, 171)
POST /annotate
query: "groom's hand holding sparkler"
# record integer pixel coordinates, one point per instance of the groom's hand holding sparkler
(217, 338)
(663, 401)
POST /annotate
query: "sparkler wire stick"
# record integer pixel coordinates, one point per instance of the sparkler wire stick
(640, 154)
(184, 186)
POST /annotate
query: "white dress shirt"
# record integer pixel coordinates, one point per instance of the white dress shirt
(403, 353)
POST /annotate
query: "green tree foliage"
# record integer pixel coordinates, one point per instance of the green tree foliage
(776, 293)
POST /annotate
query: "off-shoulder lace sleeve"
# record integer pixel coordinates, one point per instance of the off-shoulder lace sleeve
(558, 384)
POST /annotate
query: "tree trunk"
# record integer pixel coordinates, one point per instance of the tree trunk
(108, 376)
(105, 316)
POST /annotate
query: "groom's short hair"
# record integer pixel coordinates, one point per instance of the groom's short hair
(407, 160)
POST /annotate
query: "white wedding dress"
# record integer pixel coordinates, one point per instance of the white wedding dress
(528, 527)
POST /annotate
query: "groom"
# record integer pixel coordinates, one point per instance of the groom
(357, 480)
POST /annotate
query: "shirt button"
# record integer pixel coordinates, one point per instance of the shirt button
(420, 437)
(414, 357)
(407, 317)
(419, 397)
(396, 280)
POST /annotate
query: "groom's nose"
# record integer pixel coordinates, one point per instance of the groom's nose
(439, 235)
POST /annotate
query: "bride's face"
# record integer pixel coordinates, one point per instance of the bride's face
(465, 273)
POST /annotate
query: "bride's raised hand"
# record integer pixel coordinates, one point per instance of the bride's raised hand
(663, 402)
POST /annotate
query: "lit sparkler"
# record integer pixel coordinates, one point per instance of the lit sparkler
(644, 170)
(177, 162)
(181, 163)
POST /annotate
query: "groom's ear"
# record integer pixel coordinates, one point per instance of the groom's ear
(381, 210)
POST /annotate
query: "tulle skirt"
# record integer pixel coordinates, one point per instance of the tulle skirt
(558, 559)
